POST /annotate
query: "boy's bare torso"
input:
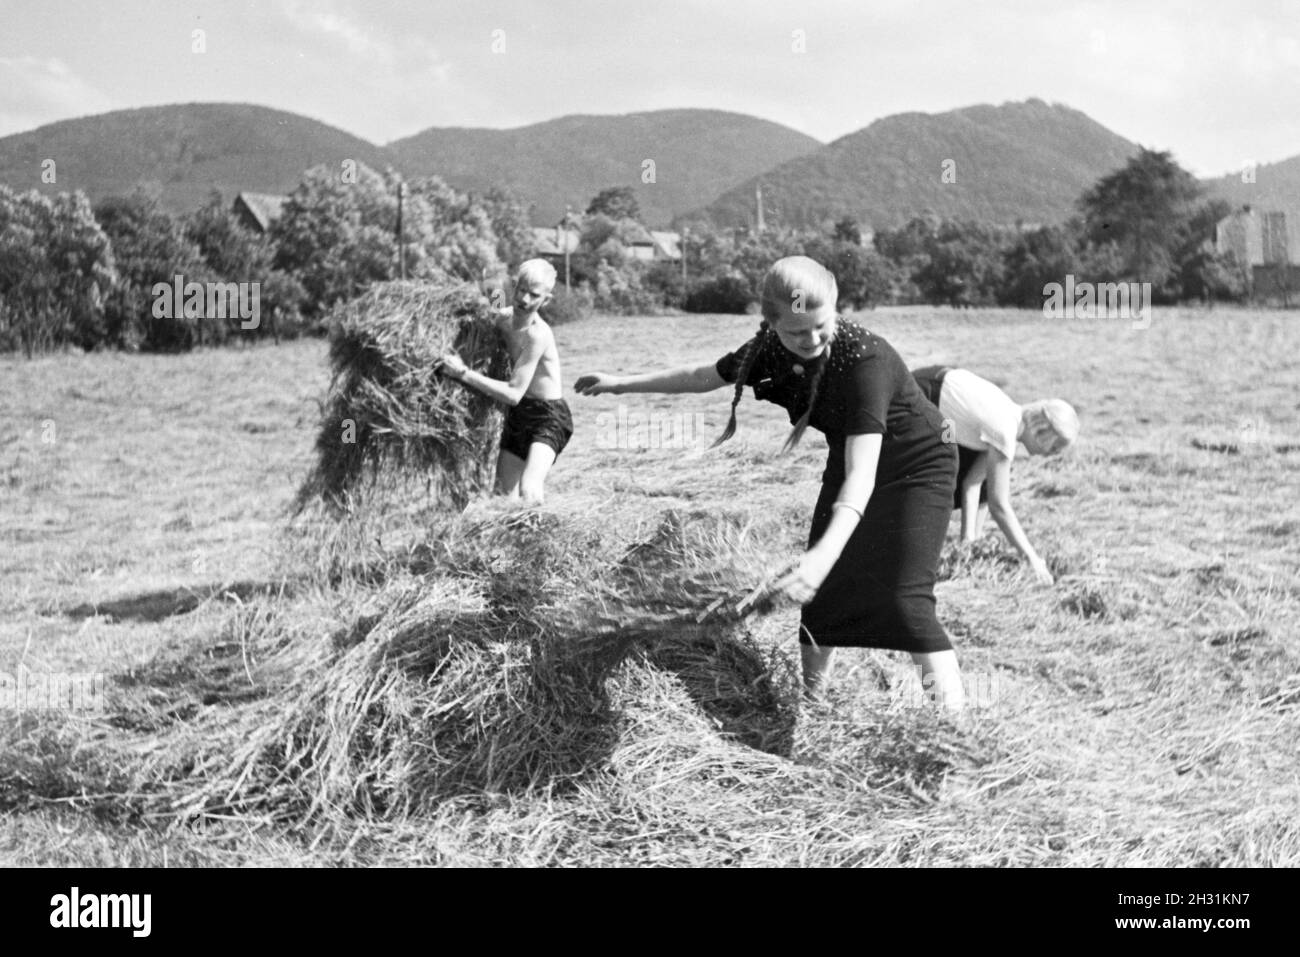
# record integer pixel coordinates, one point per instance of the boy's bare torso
(547, 382)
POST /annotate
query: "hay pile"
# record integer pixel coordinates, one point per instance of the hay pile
(516, 686)
(482, 667)
(389, 418)
(484, 662)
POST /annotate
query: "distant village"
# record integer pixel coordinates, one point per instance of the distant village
(1267, 241)
(257, 211)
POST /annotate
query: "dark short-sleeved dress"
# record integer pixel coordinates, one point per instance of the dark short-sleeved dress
(930, 379)
(880, 594)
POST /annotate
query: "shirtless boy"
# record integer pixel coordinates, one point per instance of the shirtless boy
(538, 424)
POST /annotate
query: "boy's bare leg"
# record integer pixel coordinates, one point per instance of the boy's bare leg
(816, 667)
(941, 678)
(510, 469)
(540, 459)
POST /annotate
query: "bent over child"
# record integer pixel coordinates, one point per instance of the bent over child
(987, 426)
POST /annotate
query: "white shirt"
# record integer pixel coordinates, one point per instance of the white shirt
(982, 415)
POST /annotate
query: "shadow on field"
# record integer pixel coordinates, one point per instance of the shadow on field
(733, 683)
(157, 605)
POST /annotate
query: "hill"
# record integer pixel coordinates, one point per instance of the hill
(185, 150)
(698, 154)
(1276, 186)
(1019, 161)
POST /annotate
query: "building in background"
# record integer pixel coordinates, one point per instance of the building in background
(552, 242)
(257, 211)
(1267, 242)
(644, 245)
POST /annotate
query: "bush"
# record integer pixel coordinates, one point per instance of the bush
(724, 294)
(1033, 260)
(567, 305)
(236, 254)
(664, 281)
(56, 267)
(1208, 275)
(618, 289)
(339, 237)
(282, 298)
(964, 264)
(150, 247)
(865, 278)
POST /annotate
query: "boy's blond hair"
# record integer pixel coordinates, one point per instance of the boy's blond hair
(1060, 415)
(536, 270)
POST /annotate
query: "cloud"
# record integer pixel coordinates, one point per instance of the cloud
(35, 91)
(381, 53)
(341, 29)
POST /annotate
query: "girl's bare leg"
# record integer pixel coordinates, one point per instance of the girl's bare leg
(941, 678)
(816, 667)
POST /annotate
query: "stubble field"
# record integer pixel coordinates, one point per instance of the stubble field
(1145, 710)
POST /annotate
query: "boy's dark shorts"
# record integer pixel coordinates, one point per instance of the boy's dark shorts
(548, 421)
(965, 461)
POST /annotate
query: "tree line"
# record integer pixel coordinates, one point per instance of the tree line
(73, 274)
(1148, 222)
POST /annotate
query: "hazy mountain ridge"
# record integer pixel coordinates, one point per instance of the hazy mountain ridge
(187, 150)
(183, 150)
(1276, 186)
(1025, 161)
(1019, 161)
(697, 155)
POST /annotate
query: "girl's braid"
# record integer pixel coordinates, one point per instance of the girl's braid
(746, 364)
(797, 432)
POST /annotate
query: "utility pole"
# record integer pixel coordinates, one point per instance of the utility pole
(758, 194)
(568, 210)
(401, 241)
(686, 234)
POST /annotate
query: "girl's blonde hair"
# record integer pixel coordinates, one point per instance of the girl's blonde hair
(804, 285)
(800, 283)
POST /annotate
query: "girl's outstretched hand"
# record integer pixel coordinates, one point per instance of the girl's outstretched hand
(801, 585)
(596, 383)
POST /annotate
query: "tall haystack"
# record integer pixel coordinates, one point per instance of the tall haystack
(390, 420)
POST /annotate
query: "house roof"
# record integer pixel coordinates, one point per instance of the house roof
(670, 244)
(547, 240)
(634, 234)
(265, 208)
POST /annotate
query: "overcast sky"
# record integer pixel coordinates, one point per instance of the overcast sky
(1216, 83)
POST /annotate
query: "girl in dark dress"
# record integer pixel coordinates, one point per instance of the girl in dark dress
(867, 578)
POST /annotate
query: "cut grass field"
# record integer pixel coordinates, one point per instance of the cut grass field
(1143, 711)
